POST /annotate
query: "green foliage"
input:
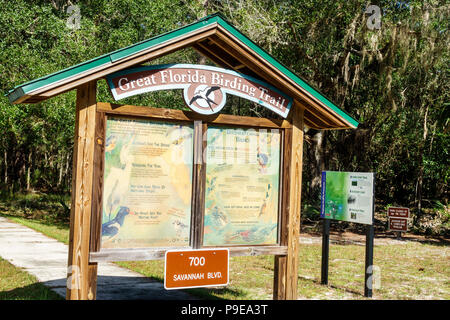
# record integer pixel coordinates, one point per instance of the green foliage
(394, 80)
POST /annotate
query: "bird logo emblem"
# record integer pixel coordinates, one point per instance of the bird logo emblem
(204, 98)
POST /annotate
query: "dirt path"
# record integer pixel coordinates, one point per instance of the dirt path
(380, 239)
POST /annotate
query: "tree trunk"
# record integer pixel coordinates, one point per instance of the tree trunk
(66, 171)
(61, 166)
(316, 160)
(419, 183)
(29, 170)
(6, 167)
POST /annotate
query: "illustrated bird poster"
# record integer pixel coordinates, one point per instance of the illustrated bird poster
(147, 184)
(242, 186)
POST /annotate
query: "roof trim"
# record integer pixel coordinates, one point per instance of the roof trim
(24, 92)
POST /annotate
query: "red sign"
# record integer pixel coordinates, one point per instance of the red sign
(398, 224)
(196, 268)
(398, 212)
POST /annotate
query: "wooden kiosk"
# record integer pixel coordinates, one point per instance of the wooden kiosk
(209, 215)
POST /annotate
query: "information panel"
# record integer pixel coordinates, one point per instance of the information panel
(242, 186)
(347, 196)
(147, 184)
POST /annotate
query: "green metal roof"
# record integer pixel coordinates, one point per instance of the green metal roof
(85, 67)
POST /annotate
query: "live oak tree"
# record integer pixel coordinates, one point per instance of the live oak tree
(394, 79)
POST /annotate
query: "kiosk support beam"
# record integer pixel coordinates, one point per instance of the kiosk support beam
(286, 267)
(81, 282)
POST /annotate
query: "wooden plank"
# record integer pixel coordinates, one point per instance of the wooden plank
(146, 55)
(270, 74)
(294, 204)
(279, 285)
(173, 114)
(97, 190)
(80, 271)
(198, 192)
(221, 61)
(286, 267)
(158, 253)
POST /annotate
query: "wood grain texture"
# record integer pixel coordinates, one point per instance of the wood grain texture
(198, 196)
(268, 72)
(173, 114)
(286, 267)
(295, 193)
(79, 270)
(279, 285)
(97, 189)
(143, 56)
(158, 253)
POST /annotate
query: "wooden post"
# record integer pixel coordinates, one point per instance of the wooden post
(198, 196)
(81, 276)
(286, 267)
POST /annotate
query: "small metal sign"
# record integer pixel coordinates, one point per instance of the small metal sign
(398, 219)
(196, 268)
(398, 224)
(396, 212)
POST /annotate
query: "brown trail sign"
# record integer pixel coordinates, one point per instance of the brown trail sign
(398, 219)
(147, 181)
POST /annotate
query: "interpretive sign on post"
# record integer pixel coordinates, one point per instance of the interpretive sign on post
(196, 268)
(347, 196)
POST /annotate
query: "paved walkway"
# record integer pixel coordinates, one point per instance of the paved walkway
(46, 259)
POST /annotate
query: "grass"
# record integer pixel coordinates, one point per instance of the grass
(16, 284)
(404, 270)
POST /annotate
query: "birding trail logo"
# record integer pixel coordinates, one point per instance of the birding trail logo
(205, 99)
(204, 87)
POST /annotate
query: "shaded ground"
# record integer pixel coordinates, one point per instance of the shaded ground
(381, 238)
(416, 267)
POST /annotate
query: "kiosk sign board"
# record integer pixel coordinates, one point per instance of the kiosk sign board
(347, 196)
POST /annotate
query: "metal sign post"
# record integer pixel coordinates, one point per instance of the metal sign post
(368, 279)
(325, 250)
(328, 216)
